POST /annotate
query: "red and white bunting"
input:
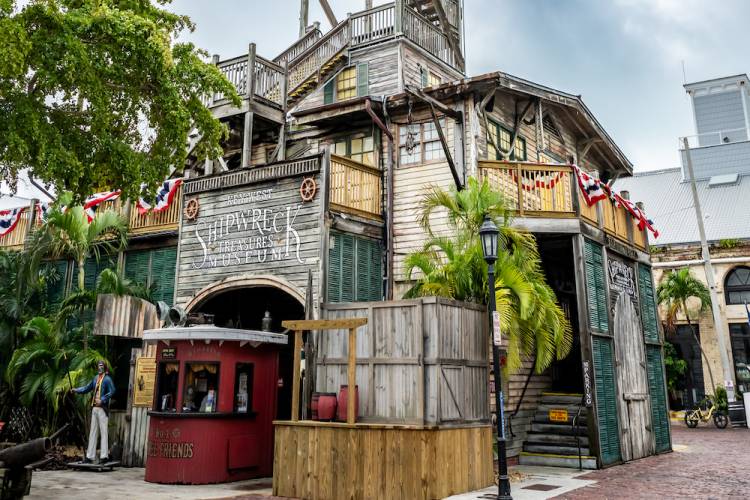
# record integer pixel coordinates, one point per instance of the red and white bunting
(539, 181)
(163, 198)
(9, 219)
(89, 206)
(591, 188)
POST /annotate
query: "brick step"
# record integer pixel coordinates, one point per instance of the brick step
(557, 439)
(555, 450)
(552, 460)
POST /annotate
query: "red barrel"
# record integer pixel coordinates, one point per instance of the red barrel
(326, 406)
(343, 400)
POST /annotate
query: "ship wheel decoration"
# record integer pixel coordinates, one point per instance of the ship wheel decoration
(191, 209)
(308, 189)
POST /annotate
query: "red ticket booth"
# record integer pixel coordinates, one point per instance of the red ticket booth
(214, 404)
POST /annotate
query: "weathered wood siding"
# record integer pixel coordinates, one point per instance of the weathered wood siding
(521, 423)
(418, 361)
(321, 461)
(412, 59)
(252, 228)
(123, 316)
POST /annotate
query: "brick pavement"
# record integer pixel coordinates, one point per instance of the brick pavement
(706, 463)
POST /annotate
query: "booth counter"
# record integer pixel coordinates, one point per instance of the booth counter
(214, 404)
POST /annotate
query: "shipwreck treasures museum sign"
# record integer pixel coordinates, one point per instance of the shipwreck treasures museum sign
(270, 227)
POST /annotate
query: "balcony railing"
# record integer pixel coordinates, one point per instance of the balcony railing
(729, 136)
(15, 239)
(543, 190)
(356, 188)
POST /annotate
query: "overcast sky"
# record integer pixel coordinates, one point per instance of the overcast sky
(623, 56)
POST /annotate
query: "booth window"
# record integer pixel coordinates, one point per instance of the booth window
(739, 334)
(243, 388)
(737, 285)
(166, 395)
(201, 391)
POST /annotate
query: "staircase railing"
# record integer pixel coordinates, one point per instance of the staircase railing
(575, 428)
(310, 62)
(520, 400)
(301, 45)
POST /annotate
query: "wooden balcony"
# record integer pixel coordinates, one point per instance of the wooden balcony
(551, 191)
(16, 238)
(356, 188)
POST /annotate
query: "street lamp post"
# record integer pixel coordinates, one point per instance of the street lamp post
(488, 234)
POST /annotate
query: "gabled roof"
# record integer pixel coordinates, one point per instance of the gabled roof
(668, 201)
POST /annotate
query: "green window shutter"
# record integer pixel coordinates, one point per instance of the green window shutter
(328, 91)
(347, 268)
(363, 79)
(163, 263)
(606, 403)
(595, 287)
(334, 269)
(137, 265)
(369, 270)
(648, 304)
(56, 287)
(659, 410)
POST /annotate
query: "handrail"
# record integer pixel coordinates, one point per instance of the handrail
(575, 429)
(374, 24)
(310, 61)
(520, 400)
(715, 138)
(298, 47)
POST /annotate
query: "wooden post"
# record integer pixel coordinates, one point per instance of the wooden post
(215, 62)
(398, 21)
(520, 188)
(351, 411)
(295, 382)
(303, 15)
(247, 136)
(284, 107)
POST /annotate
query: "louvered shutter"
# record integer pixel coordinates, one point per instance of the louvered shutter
(363, 79)
(334, 269)
(375, 282)
(56, 287)
(606, 404)
(137, 266)
(648, 304)
(328, 91)
(595, 287)
(659, 416)
(347, 268)
(163, 262)
(369, 270)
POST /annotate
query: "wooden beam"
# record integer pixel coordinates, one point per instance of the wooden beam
(376, 119)
(329, 13)
(445, 28)
(351, 411)
(324, 324)
(295, 380)
(446, 149)
(304, 8)
(517, 128)
(446, 110)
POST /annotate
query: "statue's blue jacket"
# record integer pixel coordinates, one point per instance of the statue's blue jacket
(108, 389)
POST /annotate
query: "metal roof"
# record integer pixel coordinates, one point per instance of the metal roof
(211, 332)
(668, 201)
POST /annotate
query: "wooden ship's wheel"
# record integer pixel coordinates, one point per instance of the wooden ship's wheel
(191, 209)
(308, 189)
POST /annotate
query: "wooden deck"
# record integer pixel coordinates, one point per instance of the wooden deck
(539, 190)
(356, 188)
(321, 460)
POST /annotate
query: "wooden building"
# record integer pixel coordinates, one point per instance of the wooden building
(328, 155)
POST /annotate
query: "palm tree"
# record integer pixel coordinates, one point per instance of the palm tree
(673, 292)
(453, 266)
(68, 232)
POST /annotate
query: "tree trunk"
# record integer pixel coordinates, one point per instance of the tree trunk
(81, 283)
(698, 342)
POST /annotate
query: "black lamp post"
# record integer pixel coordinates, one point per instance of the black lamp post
(488, 233)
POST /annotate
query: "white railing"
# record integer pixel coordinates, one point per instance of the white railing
(374, 24)
(310, 61)
(269, 79)
(420, 31)
(299, 46)
(715, 138)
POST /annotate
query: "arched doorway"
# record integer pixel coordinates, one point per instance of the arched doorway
(243, 304)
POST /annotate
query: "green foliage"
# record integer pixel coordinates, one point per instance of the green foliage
(453, 266)
(720, 398)
(112, 281)
(729, 243)
(674, 365)
(99, 93)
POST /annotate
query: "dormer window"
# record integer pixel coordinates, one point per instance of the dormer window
(348, 83)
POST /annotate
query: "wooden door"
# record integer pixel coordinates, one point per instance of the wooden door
(632, 380)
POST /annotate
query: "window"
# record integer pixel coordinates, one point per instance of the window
(350, 82)
(201, 391)
(154, 268)
(355, 269)
(737, 285)
(243, 388)
(739, 333)
(502, 136)
(420, 142)
(167, 380)
(428, 78)
(357, 148)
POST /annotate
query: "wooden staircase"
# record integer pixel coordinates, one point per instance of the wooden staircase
(556, 443)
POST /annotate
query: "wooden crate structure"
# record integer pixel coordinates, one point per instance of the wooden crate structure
(422, 361)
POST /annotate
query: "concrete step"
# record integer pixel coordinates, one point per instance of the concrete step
(558, 439)
(552, 460)
(555, 450)
(560, 398)
(546, 428)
